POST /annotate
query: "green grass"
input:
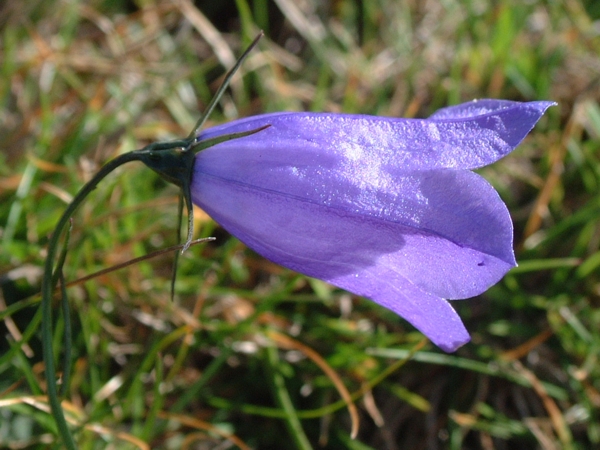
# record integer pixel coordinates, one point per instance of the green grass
(241, 351)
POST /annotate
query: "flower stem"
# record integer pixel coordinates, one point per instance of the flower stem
(48, 284)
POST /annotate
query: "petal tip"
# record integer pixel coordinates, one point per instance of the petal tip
(451, 345)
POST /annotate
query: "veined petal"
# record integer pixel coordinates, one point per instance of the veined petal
(486, 106)
(461, 137)
(403, 268)
(446, 231)
(431, 315)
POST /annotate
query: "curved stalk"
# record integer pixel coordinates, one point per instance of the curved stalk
(172, 160)
(48, 287)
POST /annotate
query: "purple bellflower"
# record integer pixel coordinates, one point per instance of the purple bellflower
(384, 208)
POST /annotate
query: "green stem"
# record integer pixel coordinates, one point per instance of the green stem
(68, 341)
(174, 162)
(48, 287)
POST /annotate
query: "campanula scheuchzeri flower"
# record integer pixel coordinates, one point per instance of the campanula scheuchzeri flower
(384, 208)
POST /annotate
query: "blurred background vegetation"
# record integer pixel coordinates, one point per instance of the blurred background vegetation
(251, 355)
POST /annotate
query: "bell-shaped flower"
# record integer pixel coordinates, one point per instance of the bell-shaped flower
(382, 207)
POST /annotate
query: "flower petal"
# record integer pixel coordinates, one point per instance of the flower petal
(402, 267)
(431, 315)
(461, 137)
(452, 232)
